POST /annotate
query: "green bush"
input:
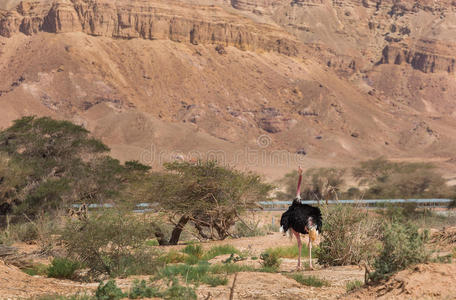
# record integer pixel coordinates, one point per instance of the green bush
(140, 289)
(270, 261)
(353, 285)
(179, 292)
(403, 246)
(349, 236)
(310, 280)
(62, 268)
(109, 291)
(112, 243)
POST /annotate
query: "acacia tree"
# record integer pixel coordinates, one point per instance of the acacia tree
(208, 195)
(46, 164)
(386, 179)
(318, 184)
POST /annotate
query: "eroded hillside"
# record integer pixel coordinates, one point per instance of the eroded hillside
(316, 82)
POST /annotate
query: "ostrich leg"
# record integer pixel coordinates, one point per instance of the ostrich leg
(298, 237)
(310, 254)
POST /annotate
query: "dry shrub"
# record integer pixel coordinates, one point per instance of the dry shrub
(349, 236)
(403, 246)
(112, 243)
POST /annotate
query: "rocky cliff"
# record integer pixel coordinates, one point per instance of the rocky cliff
(151, 20)
(357, 35)
(317, 82)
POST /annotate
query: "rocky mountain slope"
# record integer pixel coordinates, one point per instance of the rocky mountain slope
(260, 84)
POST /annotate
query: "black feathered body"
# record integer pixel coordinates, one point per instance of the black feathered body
(301, 217)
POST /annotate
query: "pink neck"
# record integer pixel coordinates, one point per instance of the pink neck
(298, 192)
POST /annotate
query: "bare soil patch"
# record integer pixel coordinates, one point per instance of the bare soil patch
(426, 281)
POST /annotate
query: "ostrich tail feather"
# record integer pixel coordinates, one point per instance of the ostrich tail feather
(289, 235)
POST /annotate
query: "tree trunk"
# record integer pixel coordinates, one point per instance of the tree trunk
(201, 231)
(175, 235)
(160, 237)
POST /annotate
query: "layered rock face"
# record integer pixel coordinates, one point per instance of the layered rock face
(398, 51)
(148, 20)
(328, 80)
(428, 62)
(359, 34)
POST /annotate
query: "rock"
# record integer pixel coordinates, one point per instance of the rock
(420, 58)
(301, 151)
(220, 49)
(150, 20)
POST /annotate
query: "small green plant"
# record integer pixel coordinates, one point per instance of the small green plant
(310, 280)
(37, 269)
(234, 258)
(288, 251)
(444, 259)
(109, 291)
(214, 280)
(254, 258)
(179, 292)
(62, 268)
(140, 289)
(270, 261)
(195, 250)
(220, 250)
(202, 272)
(230, 268)
(191, 260)
(353, 285)
(172, 257)
(152, 243)
(191, 273)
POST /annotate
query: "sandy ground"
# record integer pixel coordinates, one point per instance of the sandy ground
(249, 285)
(429, 281)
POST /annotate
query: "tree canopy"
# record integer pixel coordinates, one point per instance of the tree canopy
(208, 195)
(47, 164)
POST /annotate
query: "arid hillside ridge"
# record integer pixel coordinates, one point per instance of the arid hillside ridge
(315, 83)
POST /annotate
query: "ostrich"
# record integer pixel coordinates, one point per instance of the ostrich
(302, 218)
